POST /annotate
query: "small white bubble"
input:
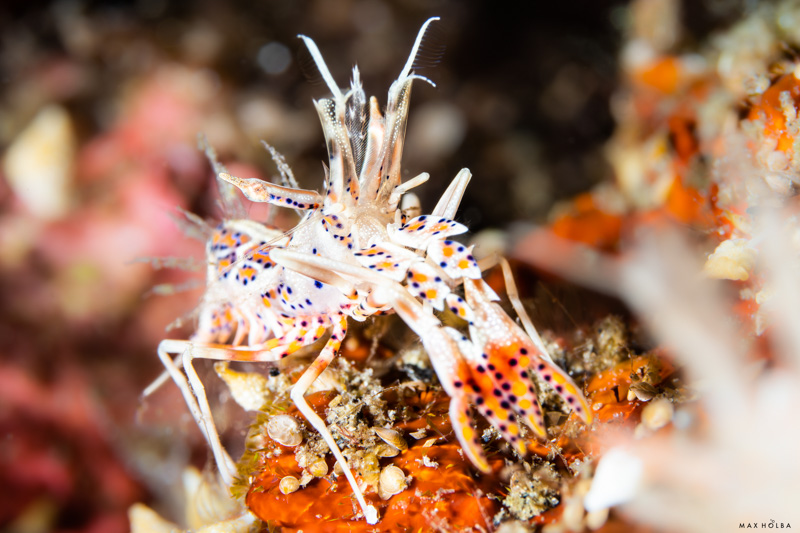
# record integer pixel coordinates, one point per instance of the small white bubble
(274, 58)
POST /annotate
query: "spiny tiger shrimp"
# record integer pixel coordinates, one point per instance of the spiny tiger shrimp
(357, 251)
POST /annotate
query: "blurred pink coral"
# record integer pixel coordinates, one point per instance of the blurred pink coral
(58, 450)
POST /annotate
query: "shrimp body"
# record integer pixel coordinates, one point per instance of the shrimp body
(359, 249)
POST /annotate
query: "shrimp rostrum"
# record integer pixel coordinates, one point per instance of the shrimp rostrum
(358, 251)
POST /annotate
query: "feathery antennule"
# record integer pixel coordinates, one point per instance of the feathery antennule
(230, 200)
(168, 289)
(431, 49)
(191, 225)
(355, 82)
(336, 114)
(427, 53)
(412, 58)
(287, 176)
(356, 120)
(308, 67)
(422, 78)
(188, 264)
(323, 68)
(395, 120)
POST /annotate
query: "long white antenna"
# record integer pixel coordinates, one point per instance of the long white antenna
(407, 69)
(323, 68)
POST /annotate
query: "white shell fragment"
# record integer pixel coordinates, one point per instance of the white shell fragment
(143, 519)
(616, 480)
(208, 501)
(209, 509)
(419, 434)
(318, 468)
(391, 437)
(38, 164)
(733, 259)
(657, 414)
(370, 469)
(642, 391)
(386, 450)
(392, 481)
(289, 484)
(249, 389)
(513, 526)
(285, 430)
(596, 519)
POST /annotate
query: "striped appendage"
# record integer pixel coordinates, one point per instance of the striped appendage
(509, 356)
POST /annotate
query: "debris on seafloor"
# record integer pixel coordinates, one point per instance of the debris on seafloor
(39, 164)
(532, 493)
(409, 495)
(396, 436)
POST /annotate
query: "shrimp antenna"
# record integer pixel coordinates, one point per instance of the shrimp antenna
(323, 68)
(406, 72)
